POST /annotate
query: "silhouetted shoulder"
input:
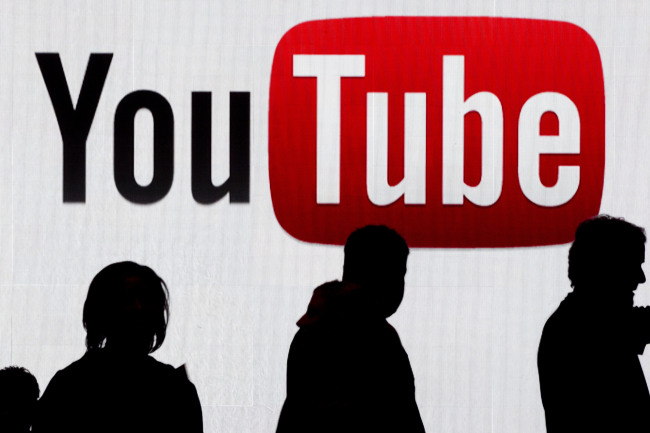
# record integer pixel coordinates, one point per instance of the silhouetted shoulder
(569, 324)
(96, 363)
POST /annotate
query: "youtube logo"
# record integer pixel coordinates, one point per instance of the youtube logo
(457, 132)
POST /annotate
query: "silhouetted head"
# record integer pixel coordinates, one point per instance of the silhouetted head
(375, 256)
(18, 396)
(605, 259)
(126, 309)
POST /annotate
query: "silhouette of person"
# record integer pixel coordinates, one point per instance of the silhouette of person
(18, 396)
(589, 371)
(116, 386)
(347, 370)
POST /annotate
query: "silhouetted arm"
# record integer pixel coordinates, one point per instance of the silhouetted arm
(190, 415)
(640, 328)
(406, 415)
(299, 405)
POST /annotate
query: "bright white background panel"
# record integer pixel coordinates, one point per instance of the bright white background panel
(471, 319)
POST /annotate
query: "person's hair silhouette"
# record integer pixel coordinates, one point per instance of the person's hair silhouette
(127, 308)
(347, 370)
(605, 258)
(589, 371)
(375, 256)
(18, 396)
(116, 385)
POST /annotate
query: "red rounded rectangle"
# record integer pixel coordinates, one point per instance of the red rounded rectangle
(397, 77)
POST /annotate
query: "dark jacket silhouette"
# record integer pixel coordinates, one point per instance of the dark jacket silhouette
(117, 386)
(590, 376)
(589, 371)
(347, 370)
(108, 392)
